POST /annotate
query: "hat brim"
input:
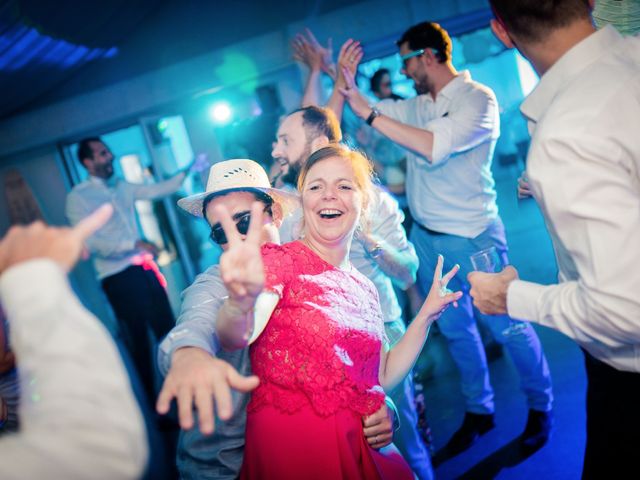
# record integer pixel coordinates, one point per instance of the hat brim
(288, 201)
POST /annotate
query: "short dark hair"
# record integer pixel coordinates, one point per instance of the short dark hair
(532, 20)
(376, 78)
(259, 195)
(320, 121)
(428, 35)
(84, 148)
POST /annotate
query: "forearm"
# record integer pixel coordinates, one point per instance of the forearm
(312, 89)
(417, 140)
(336, 101)
(160, 189)
(583, 315)
(400, 265)
(401, 358)
(235, 324)
(198, 333)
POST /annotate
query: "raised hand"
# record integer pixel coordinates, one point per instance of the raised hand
(440, 297)
(349, 89)
(241, 267)
(349, 58)
(307, 50)
(524, 189)
(60, 244)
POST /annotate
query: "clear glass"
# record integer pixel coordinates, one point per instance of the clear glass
(489, 261)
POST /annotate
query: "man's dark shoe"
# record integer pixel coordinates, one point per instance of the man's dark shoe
(473, 426)
(537, 431)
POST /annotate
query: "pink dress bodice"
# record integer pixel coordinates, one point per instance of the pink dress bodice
(322, 344)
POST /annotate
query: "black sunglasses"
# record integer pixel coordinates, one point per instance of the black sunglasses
(242, 219)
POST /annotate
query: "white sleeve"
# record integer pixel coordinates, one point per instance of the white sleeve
(79, 417)
(470, 123)
(106, 242)
(158, 190)
(592, 203)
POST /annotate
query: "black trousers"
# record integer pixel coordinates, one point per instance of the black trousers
(139, 302)
(613, 422)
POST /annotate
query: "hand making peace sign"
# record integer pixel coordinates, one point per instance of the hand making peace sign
(440, 297)
(241, 267)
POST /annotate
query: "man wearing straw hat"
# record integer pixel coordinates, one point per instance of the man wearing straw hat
(198, 371)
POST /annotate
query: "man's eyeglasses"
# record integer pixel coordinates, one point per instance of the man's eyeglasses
(242, 219)
(415, 53)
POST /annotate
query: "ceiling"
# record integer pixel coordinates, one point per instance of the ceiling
(54, 49)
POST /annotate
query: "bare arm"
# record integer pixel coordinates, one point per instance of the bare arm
(396, 363)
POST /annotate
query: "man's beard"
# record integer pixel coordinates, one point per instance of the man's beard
(422, 85)
(104, 171)
(291, 177)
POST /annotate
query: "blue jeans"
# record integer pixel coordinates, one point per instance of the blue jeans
(459, 327)
(407, 438)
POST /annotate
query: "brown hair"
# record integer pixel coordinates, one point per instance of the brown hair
(362, 169)
(533, 20)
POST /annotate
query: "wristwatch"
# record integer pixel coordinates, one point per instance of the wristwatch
(375, 113)
(376, 251)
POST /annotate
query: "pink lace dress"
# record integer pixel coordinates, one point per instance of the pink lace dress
(318, 362)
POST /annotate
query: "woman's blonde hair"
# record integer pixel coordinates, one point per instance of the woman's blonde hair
(362, 169)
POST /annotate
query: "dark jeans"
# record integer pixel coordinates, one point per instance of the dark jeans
(613, 421)
(139, 302)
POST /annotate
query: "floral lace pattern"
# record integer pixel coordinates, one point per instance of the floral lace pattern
(322, 344)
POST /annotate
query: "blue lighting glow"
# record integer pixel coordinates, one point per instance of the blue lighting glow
(220, 112)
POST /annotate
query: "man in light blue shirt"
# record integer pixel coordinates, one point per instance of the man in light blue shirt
(450, 130)
(123, 260)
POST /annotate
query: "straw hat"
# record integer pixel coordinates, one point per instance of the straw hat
(238, 175)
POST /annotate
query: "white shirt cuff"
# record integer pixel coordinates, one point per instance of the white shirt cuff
(522, 300)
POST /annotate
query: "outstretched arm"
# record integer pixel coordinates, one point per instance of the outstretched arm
(396, 363)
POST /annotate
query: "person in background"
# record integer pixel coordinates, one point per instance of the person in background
(123, 260)
(582, 169)
(450, 130)
(78, 415)
(380, 84)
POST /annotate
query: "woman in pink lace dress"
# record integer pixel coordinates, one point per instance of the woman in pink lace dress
(322, 359)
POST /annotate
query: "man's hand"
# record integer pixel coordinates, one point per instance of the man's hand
(378, 427)
(524, 189)
(241, 267)
(358, 103)
(307, 50)
(147, 247)
(60, 244)
(489, 290)
(197, 378)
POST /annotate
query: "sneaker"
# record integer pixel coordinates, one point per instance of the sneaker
(537, 431)
(473, 426)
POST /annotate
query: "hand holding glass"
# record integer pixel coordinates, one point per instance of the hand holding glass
(489, 261)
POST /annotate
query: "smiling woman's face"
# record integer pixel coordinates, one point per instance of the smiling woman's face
(332, 202)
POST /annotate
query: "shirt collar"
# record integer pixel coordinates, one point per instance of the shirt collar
(455, 84)
(569, 66)
(111, 182)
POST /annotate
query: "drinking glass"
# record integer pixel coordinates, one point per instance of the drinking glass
(489, 261)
